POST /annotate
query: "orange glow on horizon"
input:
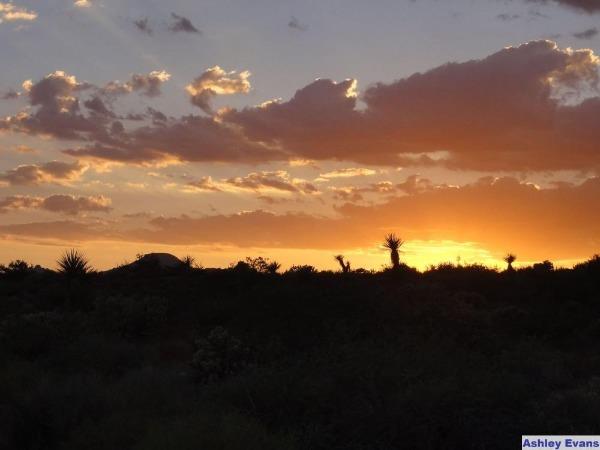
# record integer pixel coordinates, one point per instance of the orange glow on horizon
(419, 254)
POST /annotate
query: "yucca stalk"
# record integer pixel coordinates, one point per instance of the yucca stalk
(393, 244)
(345, 265)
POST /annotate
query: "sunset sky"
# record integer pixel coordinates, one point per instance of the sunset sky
(298, 130)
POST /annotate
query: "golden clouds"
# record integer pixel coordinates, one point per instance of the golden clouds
(10, 12)
(216, 81)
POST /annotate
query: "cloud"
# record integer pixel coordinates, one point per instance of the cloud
(312, 124)
(215, 81)
(414, 184)
(507, 17)
(191, 138)
(182, 24)
(51, 172)
(532, 107)
(63, 204)
(349, 173)
(55, 108)
(148, 85)
(205, 184)
(11, 94)
(9, 12)
(17, 202)
(295, 24)
(589, 6)
(25, 149)
(260, 182)
(499, 214)
(144, 26)
(502, 112)
(587, 34)
(71, 205)
(82, 3)
(356, 193)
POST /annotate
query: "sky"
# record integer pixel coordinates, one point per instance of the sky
(299, 130)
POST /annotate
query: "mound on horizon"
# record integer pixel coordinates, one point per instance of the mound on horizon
(163, 260)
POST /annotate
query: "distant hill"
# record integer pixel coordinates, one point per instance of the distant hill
(163, 260)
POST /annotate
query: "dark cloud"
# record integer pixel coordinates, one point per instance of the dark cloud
(191, 138)
(55, 108)
(587, 34)
(51, 172)
(63, 204)
(71, 205)
(497, 113)
(97, 106)
(182, 24)
(295, 24)
(503, 112)
(589, 6)
(144, 26)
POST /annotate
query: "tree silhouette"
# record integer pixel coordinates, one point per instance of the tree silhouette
(344, 264)
(393, 244)
(510, 259)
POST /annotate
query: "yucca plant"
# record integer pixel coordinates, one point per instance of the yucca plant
(345, 265)
(393, 244)
(510, 259)
(74, 264)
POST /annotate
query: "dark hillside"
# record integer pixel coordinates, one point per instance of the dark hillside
(154, 357)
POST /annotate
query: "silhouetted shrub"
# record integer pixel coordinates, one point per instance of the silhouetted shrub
(74, 264)
(219, 355)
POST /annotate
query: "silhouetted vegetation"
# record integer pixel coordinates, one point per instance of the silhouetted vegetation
(345, 265)
(393, 244)
(74, 264)
(165, 355)
(510, 259)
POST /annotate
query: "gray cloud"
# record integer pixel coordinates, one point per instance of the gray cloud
(587, 34)
(144, 26)
(182, 24)
(589, 6)
(295, 24)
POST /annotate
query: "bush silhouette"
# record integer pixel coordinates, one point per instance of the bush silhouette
(457, 356)
(74, 264)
